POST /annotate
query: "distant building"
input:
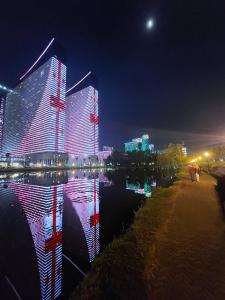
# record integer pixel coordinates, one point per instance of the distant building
(81, 127)
(184, 149)
(131, 146)
(34, 116)
(145, 142)
(139, 144)
(103, 155)
(151, 147)
(108, 148)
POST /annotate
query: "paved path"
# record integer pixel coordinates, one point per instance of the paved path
(191, 253)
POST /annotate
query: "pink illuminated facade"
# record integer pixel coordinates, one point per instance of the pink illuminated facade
(81, 125)
(35, 114)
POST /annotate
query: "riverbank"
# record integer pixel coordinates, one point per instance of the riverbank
(191, 256)
(126, 267)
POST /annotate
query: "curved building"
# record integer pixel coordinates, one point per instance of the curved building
(34, 115)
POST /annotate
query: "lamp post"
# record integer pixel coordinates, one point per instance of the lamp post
(207, 156)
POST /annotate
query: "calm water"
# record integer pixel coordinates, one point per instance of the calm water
(54, 224)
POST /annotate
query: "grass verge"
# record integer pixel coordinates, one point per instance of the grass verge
(124, 270)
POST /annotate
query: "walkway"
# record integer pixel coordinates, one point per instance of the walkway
(191, 256)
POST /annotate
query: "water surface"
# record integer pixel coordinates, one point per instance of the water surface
(54, 224)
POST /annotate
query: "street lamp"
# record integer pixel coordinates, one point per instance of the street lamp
(207, 156)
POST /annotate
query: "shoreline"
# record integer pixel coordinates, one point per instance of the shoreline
(41, 169)
(125, 267)
(66, 168)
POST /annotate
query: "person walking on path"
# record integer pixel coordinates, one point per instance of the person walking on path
(196, 170)
(191, 172)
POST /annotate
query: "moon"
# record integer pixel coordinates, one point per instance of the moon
(150, 23)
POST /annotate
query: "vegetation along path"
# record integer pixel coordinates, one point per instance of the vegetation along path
(175, 249)
(191, 253)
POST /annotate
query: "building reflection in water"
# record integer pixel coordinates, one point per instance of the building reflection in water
(143, 188)
(82, 190)
(41, 197)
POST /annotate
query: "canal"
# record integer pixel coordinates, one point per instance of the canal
(54, 224)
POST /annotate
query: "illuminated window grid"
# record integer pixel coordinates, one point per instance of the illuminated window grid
(81, 134)
(30, 125)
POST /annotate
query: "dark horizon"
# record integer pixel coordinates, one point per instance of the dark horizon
(168, 82)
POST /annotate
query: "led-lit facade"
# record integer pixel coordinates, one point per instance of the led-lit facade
(139, 144)
(81, 126)
(131, 147)
(145, 142)
(35, 115)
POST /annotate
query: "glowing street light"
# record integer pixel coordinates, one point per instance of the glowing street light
(207, 156)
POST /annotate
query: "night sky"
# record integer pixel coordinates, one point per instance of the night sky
(168, 82)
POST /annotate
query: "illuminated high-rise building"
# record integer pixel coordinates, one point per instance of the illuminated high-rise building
(184, 149)
(139, 144)
(81, 126)
(145, 142)
(35, 116)
(131, 146)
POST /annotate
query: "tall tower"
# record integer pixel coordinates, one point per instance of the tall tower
(81, 125)
(34, 115)
(145, 142)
